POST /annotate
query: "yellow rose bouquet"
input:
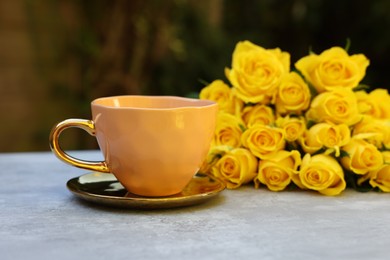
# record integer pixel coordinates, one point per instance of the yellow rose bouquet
(311, 127)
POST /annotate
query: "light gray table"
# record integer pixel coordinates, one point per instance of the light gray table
(41, 219)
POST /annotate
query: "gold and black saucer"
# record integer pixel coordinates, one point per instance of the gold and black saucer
(105, 189)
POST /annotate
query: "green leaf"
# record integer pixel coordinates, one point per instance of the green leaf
(290, 146)
(203, 82)
(313, 90)
(193, 95)
(343, 154)
(384, 148)
(322, 150)
(361, 87)
(347, 44)
(242, 127)
(364, 187)
(351, 180)
(291, 187)
(250, 104)
(310, 123)
(311, 50)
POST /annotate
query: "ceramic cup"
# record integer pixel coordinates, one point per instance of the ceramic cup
(152, 144)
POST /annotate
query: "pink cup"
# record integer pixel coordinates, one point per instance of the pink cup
(152, 144)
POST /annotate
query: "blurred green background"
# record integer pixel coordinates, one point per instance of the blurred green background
(58, 55)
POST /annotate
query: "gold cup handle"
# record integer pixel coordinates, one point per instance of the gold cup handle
(86, 125)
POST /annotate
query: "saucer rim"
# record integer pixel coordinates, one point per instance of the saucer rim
(141, 202)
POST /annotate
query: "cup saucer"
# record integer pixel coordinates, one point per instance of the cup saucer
(105, 189)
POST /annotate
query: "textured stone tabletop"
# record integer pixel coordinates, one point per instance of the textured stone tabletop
(41, 219)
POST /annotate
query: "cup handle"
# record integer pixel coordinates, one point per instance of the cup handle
(86, 125)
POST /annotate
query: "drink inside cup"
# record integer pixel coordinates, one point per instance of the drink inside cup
(153, 145)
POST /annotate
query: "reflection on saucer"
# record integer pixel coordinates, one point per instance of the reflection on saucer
(92, 177)
(105, 189)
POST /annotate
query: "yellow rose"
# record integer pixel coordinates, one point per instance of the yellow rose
(333, 68)
(293, 127)
(258, 114)
(362, 157)
(257, 72)
(235, 168)
(325, 135)
(263, 141)
(375, 104)
(365, 104)
(293, 95)
(222, 94)
(213, 155)
(386, 139)
(276, 171)
(381, 177)
(374, 131)
(321, 173)
(228, 130)
(338, 106)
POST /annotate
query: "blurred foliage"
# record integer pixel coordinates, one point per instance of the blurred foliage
(88, 49)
